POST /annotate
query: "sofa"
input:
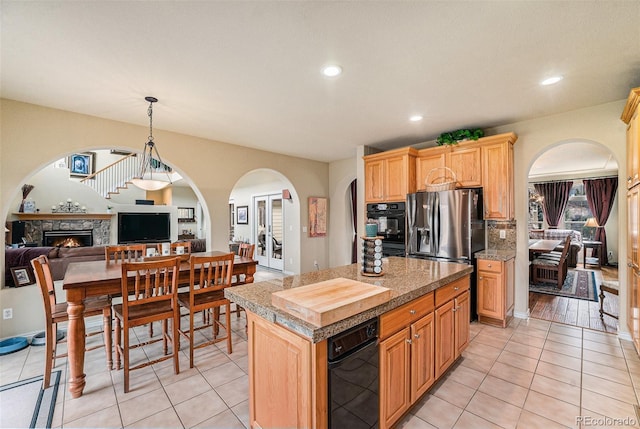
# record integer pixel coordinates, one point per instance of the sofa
(61, 257)
(561, 234)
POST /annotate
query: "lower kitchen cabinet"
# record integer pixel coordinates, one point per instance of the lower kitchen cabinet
(428, 342)
(406, 369)
(495, 291)
(452, 331)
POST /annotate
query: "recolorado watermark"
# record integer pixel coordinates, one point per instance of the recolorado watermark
(606, 421)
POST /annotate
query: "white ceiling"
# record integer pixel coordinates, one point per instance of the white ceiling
(248, 72)
(577, 159)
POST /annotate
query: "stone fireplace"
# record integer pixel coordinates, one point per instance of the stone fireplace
(86, 231)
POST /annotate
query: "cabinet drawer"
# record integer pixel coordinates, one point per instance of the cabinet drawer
(406, 314)
(488, 265)
(450, 291)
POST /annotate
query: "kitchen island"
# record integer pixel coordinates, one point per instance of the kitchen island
(423, 328)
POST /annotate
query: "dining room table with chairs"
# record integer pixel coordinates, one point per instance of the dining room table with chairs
(88, 279)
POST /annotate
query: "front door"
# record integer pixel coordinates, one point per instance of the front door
(269, 230)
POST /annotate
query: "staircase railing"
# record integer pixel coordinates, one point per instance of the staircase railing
(110, 179)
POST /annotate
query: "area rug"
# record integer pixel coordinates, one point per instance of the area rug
(26, 405)
(579, 284)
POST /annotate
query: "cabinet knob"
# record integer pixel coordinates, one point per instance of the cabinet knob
(489, 265)
(412, 312)
(409, 341)
(455, 309)
(480, 278)
(416, 336)
(456, 288)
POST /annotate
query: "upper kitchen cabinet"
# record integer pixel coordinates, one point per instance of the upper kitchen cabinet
(485, 163)
(631, 117)
(463, 159)
(389, 176)
(497, 176)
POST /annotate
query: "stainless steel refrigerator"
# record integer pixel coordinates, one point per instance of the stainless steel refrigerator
(447, 226)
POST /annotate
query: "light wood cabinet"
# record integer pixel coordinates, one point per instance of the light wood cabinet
(427, 160)
(497, 180)
(406, 357)
(633, 264)
(495, 291)
(631, 117)
(451, 320)
(390, 176)
(395, 367)
(486, 163)
(287, 385)
(466, 162)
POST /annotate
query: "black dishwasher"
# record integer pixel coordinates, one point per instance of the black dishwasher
(353, 377)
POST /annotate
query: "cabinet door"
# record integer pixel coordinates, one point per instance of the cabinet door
(462, 322)
(428, 160)
(395, 177)
(497, 178)
(394, 378)
(374, 181)
(633, 150)
(445, 348)
(467, 165)
(422, 368)
(490, 295)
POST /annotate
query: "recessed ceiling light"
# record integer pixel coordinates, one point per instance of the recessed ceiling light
(332, 71)
(415, 118)
(551, 80)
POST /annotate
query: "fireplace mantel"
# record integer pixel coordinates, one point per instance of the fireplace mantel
(63, 216)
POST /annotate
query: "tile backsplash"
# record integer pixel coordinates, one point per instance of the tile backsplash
(494, 242)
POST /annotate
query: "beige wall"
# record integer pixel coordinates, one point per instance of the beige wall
(34, 136)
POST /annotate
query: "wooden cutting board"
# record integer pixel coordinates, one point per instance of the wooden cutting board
(324, 303)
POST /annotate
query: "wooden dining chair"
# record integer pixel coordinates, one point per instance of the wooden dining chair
(245, 250)
(55, 312)
(125, 252)
(551, 269)
(149, 294)
(208, 277)
(186, 245)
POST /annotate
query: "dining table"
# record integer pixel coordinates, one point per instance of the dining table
(543, 246)
(96, 278)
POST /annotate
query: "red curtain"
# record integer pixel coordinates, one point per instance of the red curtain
(600, 195)
(555, 195)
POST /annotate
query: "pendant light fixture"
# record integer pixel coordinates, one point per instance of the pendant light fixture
(145, 179)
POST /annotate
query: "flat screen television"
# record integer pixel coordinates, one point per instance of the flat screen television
(144, 227)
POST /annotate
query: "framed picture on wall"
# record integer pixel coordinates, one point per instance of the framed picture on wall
(22, 276)
(82, 164)
(317, 217)
(243, 215)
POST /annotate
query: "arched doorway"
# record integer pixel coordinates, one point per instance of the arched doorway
(265, 210)
(573, 162)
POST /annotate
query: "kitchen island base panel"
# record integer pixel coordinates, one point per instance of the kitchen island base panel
(287, 377)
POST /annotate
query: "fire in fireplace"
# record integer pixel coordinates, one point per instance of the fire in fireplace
(63, 238)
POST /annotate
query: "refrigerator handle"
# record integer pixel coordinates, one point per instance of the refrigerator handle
(435, 225)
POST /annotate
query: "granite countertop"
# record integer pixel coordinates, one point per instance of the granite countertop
(495, 255)
(408, 279)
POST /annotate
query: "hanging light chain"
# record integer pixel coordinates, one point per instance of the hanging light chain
(150, 113)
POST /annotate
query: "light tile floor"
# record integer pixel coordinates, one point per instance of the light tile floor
(533, 374)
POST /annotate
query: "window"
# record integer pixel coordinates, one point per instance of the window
(536, 216)
(577, 211)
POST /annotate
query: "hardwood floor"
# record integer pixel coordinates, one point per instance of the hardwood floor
(578, 312)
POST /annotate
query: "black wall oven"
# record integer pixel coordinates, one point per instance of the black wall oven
(390, 218)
